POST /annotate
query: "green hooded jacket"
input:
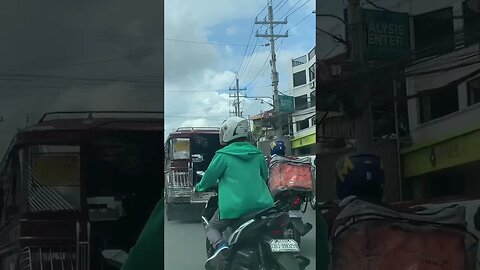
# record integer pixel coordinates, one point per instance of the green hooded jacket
(148, 251)
(242, 173)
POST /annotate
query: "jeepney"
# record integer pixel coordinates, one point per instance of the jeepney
(76, 184)
(187, 150)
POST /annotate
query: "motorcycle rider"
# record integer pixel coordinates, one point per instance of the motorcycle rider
(240, 171)
(360, 176)
(277, 148)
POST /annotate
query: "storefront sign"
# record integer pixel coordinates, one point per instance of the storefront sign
(453, 152)
(304, 141)
(286, 103)
(387, 34)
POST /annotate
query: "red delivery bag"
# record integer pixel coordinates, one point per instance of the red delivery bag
(291, 173)
(370, 237)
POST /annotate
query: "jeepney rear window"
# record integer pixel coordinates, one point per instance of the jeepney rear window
(181, 148)
(51, 175)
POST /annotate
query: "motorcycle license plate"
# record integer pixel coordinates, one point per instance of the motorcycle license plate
(284, 245)
(295, 214)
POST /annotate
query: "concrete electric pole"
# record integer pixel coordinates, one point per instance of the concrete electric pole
(272, 37)
(236, 96)
(363, 122)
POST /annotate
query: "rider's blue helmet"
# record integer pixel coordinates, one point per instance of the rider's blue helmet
(277, 148)
(360, 175)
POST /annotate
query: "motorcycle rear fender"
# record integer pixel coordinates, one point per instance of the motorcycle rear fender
(245, 258)
(289, 261)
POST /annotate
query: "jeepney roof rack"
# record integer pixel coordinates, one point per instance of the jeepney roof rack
(106, 114)
(196, 128)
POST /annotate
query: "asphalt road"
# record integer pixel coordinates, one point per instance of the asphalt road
(185, 243)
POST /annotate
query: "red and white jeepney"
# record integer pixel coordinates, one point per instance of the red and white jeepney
(187, 150)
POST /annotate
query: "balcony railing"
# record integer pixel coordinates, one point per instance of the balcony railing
(299, 61)
(311, 54)
(460, 40)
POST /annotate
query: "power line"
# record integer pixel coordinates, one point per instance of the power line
(291, 8)
(285, 1)
(246, 49)
(330, 52)
(377, 6)
(263, 70)
(263, 66)
(280, 7)
(25, 76)
(249, 60)
(207, 43)
(193, 116)
(304, 18)
(335, 38)
(265, 7)
(252, 60)
(306, 2)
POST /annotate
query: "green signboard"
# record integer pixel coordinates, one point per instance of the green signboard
(286, 103)
(387, 34)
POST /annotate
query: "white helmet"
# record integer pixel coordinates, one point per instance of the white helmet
(233, 128)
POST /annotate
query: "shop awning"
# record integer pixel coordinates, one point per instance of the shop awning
(304, 141)
(447, 153)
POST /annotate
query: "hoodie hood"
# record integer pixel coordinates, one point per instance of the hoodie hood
(242, 150)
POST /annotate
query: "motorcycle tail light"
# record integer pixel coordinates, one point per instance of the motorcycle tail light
(297, 201)
(276, 233)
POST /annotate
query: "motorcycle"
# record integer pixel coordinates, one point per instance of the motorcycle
(257, 241)
(292, 201)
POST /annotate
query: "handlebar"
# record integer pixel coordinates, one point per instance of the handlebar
(212, 189)
(200, 174)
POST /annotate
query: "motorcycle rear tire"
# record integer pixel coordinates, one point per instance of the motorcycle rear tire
(286, 261)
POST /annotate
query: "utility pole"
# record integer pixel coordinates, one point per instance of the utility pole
(397, 135)
(363, 122)
(238, 99)
(272, 37)
(236, 96)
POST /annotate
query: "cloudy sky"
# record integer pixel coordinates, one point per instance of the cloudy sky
(205, 45)
(78, 55)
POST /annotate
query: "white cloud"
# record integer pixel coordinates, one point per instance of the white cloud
(231, 30)
(194, 72)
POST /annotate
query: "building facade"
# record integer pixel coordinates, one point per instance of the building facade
(443, 86)
(304, 93)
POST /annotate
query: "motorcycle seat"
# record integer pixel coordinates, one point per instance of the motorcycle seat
(255, 215)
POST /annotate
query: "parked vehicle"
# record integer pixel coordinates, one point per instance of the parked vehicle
(76, 185)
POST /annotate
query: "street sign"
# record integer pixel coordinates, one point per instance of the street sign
(286, 103)
(387, 34)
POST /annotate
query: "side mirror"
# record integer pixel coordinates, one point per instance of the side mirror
(197, 158)
(200, 173)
